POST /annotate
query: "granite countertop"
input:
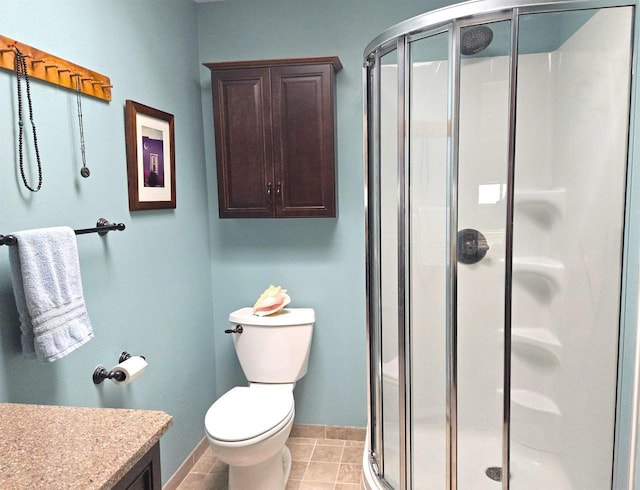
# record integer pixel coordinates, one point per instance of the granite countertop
(52, 447)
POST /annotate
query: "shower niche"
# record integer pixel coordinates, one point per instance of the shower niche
(497, 159)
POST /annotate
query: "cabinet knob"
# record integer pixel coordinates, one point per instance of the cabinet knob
(279, 192)
(269, 196)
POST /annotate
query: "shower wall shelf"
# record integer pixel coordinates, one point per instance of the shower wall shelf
(535, 419)
(543, 266)
(538, 337)
(55, 70)
(554, 198)
(534, 401)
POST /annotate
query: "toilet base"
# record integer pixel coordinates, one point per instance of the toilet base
(271, 474)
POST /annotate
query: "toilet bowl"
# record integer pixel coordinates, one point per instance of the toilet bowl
(248, 426)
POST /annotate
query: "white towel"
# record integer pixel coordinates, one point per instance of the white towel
(45, 272)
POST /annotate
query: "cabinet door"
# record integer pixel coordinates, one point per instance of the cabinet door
(145, 475)
(242, 112)
(303, 140)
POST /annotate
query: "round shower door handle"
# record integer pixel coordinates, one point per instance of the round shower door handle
(472, 246)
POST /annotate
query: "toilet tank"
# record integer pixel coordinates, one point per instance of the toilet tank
(274, 348)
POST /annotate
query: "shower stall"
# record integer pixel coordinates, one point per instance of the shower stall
(501, 253)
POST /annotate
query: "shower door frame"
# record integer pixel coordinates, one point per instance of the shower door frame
(452, 19)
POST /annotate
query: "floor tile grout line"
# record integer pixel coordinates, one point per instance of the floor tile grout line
(314, 442)
(339, 464)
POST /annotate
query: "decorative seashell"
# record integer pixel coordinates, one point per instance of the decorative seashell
(271, 301)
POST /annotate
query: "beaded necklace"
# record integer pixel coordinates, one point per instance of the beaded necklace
(21, 69)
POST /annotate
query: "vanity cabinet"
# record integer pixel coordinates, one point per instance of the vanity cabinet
(274, 124)
(145, 475)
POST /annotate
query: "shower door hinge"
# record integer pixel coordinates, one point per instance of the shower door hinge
(367, 63)
(373, 461)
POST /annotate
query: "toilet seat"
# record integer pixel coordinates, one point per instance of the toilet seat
(245, 413)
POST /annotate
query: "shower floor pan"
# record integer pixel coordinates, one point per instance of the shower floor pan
(479, 450)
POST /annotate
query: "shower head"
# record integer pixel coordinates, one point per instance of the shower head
(475, 39)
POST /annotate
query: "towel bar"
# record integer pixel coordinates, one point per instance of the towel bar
(103, 226)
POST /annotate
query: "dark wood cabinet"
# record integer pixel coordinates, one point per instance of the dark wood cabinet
(145, 475)
(274, 124)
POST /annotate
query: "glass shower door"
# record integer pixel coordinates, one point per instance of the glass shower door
(392, 368)
(570, 169)
(428, 210)
(483, 150)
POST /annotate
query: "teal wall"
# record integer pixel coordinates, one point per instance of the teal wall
(320, 261)
(147, 289)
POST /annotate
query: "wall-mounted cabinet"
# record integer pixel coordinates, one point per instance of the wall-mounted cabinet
(274, 123)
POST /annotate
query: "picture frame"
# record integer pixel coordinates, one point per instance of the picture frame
(151, 171)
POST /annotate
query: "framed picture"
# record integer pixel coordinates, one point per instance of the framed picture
(151, 165)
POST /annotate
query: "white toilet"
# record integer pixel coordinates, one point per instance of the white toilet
(248, 426)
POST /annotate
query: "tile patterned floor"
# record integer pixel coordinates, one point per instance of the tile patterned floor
(318, 464)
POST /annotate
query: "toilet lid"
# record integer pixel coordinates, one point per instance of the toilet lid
(244, 413)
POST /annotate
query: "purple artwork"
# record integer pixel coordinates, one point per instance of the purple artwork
(153, 162)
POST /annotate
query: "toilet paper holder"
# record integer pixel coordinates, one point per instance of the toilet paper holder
(100, 373)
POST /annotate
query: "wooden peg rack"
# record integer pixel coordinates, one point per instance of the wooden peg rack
(50, 68)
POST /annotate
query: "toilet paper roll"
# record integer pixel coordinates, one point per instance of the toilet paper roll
(131, 369)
